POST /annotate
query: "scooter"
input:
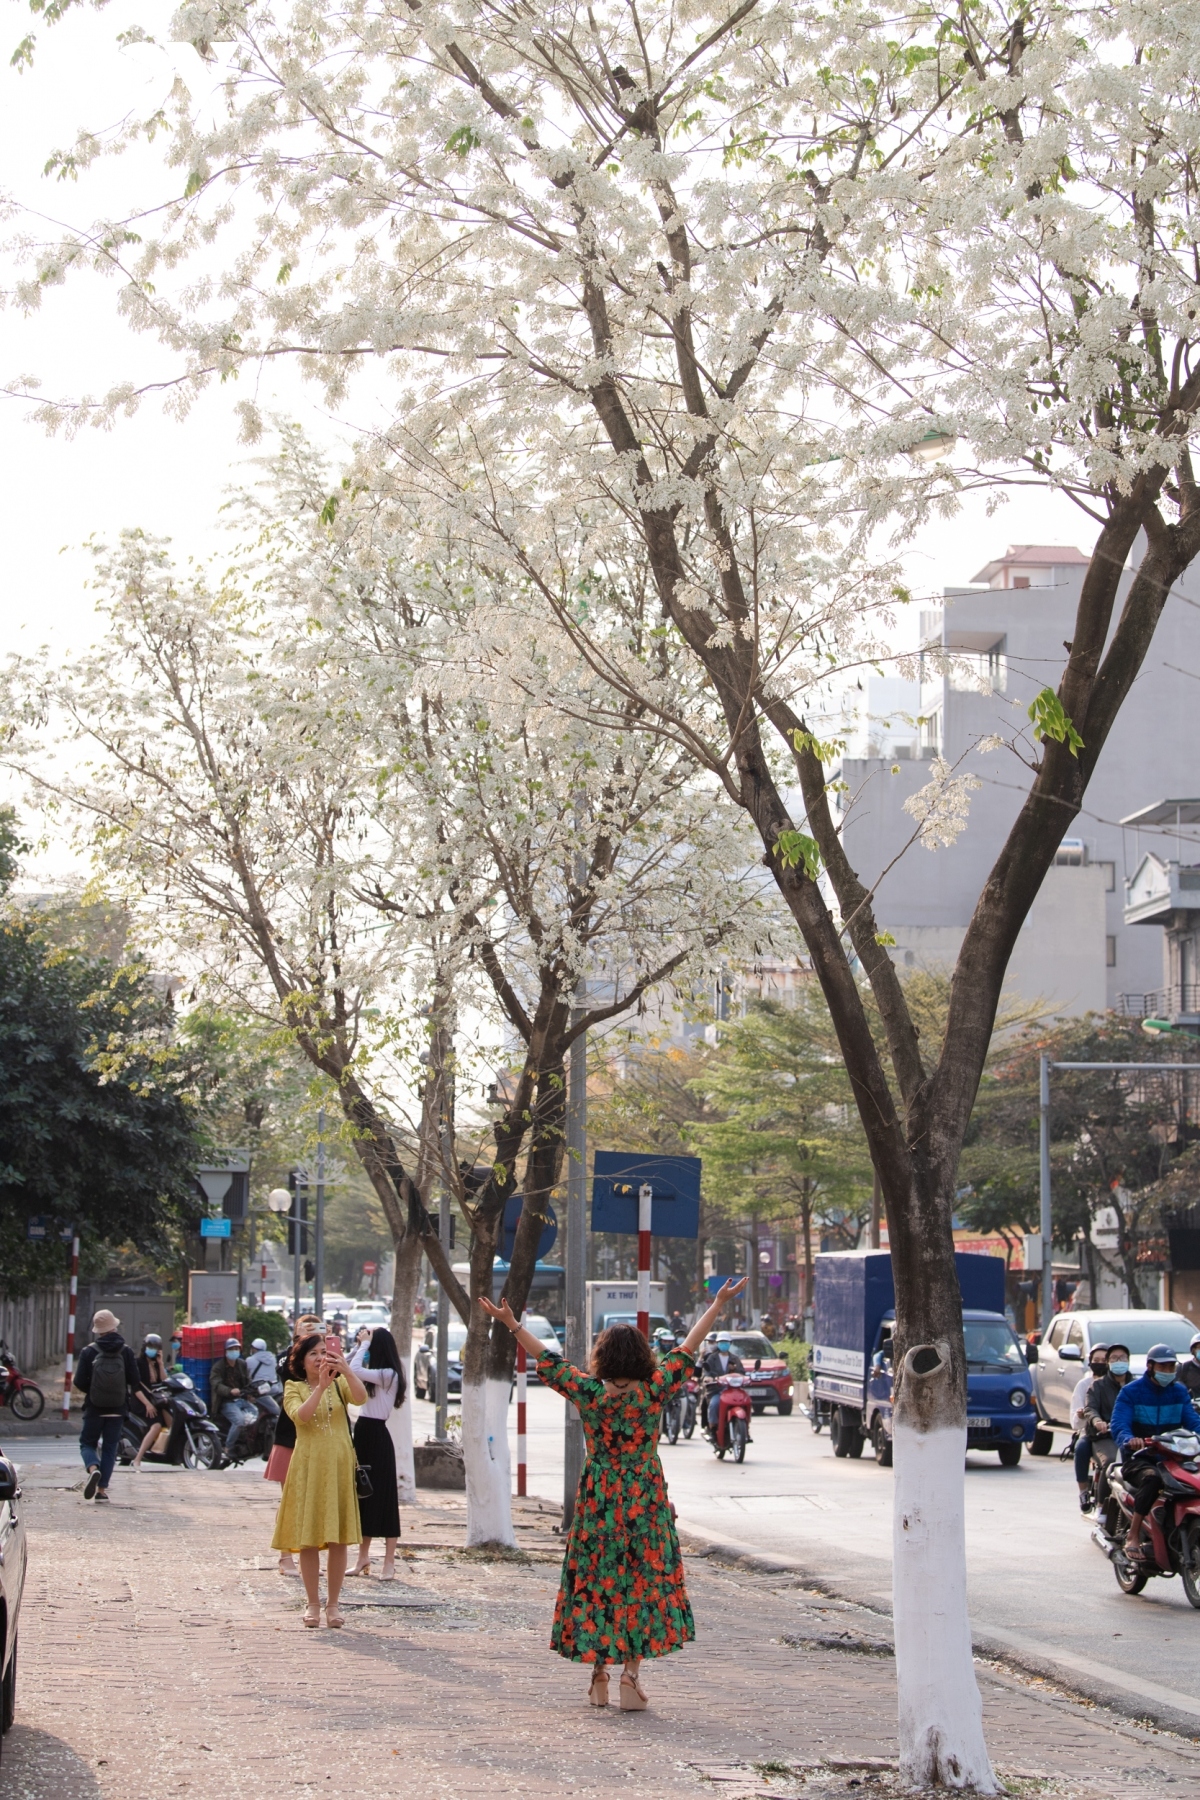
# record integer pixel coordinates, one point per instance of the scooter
(259, 1438)
(732, 1430)
(193, 1440)
(17, 1391)
(1171, 1528)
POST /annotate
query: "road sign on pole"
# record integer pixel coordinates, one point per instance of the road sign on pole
(216, 1228)
(674, 1183)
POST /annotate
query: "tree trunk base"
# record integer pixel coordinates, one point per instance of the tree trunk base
(485, 1452)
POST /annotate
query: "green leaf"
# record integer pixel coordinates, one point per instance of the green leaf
(329, 510)
(463, 141)
(886, 939)
(195, 182)
(794, 847)
(824, 752)
(1050, 721)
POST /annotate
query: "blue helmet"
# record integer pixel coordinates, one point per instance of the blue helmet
(1161, 1353)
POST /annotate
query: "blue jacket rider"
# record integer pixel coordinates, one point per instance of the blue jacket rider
(1145, 1409)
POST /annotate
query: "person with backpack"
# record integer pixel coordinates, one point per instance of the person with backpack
(107, 1375)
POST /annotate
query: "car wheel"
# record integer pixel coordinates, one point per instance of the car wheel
(1010, 1455)
(431, 1393)
(785, 1409)
(758, 1407)
(8, 1693)
(1043, 1442)
(881, 1443)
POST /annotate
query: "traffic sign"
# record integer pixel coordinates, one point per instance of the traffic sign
(512, 1212)
(216, 1228)
(36, 1227)
(370, 1268)
(674, 1186)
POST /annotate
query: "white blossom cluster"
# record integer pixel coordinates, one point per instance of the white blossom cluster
(941, 806)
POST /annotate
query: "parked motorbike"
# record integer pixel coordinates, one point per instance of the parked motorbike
(17, 1391)
(193, 1440)
(1172, 1527)
(731, 1433)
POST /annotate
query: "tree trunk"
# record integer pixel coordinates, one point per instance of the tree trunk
(404, 1295)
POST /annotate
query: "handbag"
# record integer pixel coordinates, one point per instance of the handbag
(362, 1471)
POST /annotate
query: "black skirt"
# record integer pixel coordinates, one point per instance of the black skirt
(380, 1515)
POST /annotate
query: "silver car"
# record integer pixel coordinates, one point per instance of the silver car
(1062, 1357)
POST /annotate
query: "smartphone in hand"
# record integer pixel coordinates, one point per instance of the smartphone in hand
(333, 1345)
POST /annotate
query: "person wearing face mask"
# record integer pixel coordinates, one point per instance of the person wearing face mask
(1098, 1411)
(1189, 1371)
(1144, 1410)
(1096, 1370)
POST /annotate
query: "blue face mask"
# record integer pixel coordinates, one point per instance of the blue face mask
(1164, 1377)
(1119, 1368)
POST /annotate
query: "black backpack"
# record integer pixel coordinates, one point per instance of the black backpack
(109, 1388)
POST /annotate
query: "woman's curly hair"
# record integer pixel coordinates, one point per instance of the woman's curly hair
(622, 1353)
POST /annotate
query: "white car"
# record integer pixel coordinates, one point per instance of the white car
(545, 1333)
(1063, 1357)
(374, 1313)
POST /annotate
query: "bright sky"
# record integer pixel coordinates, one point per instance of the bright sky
(151, 469)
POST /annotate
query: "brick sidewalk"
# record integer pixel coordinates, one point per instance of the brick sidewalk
(162, 1655)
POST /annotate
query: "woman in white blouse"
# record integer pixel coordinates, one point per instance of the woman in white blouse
(381, 1372)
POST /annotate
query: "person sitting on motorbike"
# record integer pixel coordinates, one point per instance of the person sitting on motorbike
(1189, 1372)
(153, 1369)
(1144, 1410)
(717, 1359)
(1096, 1370)
(261, 1366)
(1098, 1411)
(230, 1387)
(678, 1328)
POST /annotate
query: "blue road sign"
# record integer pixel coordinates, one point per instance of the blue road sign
(512, 1212)
(675, 1187)
(216, 1228)
(36, 1227)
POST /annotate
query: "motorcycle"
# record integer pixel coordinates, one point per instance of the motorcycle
(1171, 1528)
(17, 1391)
(193, 1440)
(259, 1438)
(731, 1433)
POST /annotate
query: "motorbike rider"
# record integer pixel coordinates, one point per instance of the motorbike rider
(678, 1328)
(1189, 1372)
(230, 1393)
(261, 1366)
(153, 1369)
(716, 1360)
(1098, 1411)
(1096, 1370)
(1146, 1408)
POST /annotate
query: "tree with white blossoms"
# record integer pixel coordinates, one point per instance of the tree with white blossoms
(350, 784)
(707, 279)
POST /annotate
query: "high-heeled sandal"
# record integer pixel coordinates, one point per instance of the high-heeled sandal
(311, 1617)
(634, 1697)
(362, 1569)
(598, 1691)
(333, 1617)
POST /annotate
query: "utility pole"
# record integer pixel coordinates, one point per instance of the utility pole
(319, 1274)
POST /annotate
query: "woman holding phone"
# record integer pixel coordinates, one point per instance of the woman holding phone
(318, 1509)
(622, 1596)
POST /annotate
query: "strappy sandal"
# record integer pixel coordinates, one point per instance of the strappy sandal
(311, 1617)
(598, 1691)
(333, 1618)
(634, 1697)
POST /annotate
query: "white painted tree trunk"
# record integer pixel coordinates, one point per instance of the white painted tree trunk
(941, 1716)
(485, 1453)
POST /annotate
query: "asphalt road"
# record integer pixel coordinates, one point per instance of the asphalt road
(1040, 1591)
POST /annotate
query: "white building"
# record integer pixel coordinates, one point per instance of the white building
(987, 651)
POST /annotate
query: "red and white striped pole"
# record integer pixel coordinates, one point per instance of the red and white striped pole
(69, 1372)
(522, 1438)
(645, 1197)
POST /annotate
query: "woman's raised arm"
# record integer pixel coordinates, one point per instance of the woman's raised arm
(707, 1320)
(506, 1316)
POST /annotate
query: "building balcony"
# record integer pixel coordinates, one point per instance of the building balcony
(1180, 1004)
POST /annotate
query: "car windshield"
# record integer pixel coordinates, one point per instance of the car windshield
(456, 1337)
(992, 1344)
(1140, 1335)
(541, 1327)
(748, 1345)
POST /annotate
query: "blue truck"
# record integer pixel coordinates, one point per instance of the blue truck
(850, 1365)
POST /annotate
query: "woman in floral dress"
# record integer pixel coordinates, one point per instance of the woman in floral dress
(622, 1596)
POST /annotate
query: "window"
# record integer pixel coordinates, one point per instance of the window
(1110, 952)
(1020, 581)
(1057, 1333)
(1075, 1334)
(1110, 876)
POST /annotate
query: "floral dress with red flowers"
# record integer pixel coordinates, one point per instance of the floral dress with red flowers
(622, 1593)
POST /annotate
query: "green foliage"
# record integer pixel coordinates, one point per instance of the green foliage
(1050, 721)
(268, 1325)
(793, 847)
(96, 1127)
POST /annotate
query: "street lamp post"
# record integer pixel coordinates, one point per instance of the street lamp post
(280, 1202)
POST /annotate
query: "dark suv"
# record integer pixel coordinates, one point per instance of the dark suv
(12, 1580)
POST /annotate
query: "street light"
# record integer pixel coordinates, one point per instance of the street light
(279, 1200)
(933, 446)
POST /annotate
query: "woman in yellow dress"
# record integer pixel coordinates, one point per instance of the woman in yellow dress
(318, 1509)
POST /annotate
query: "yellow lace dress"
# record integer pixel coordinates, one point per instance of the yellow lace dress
(318, 1505)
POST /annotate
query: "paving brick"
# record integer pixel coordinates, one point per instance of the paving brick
(161, 1654)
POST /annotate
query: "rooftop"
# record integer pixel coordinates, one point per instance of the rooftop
(1032, 556)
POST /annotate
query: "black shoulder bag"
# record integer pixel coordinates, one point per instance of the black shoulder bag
(362, 1471)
